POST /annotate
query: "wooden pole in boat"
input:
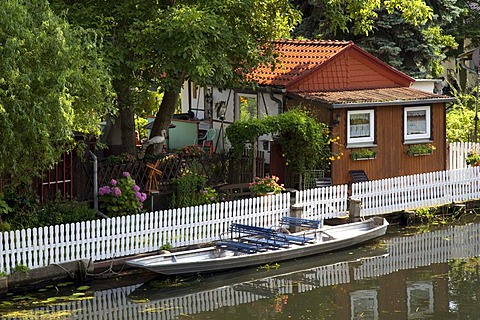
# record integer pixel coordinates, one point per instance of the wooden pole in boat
(296, 211)
(354, 209)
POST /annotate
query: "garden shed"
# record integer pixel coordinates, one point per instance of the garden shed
(385, 127)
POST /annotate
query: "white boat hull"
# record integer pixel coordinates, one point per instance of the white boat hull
(217, 259)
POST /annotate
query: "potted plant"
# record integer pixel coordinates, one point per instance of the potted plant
(363, 154)
(420, 149)
(266, 185)
(473, 158)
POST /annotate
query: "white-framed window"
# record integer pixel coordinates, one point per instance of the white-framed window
(417, 123)
(360, 126)
(247, 106)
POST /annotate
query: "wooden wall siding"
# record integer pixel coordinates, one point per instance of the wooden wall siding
(391, 158)
(350, 70)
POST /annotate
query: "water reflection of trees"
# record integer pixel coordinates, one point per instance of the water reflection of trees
(464, 287)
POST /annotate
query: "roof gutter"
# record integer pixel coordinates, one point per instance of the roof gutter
(271, 91)
(389, 103)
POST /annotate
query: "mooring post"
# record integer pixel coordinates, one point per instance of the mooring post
(354, 209)
(296, 211)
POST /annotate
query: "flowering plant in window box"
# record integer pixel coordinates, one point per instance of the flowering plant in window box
(363, 154)
(473, 158)
(266, 185)
(420, 149)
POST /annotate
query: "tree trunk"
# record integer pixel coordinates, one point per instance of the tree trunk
(164, 116)
(126, 117)
(128, 130)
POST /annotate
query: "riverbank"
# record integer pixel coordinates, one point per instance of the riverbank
(85, 271)
(81, 272)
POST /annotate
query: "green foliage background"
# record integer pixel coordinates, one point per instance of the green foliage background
(53, 84)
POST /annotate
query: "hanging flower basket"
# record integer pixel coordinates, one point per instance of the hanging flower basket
(422, 149)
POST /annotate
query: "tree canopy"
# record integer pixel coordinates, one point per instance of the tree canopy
(325, 17)
(415, 46)
(163, 43)
(53, 83)
(209, 42)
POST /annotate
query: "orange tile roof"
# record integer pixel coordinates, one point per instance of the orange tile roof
(297, 57)
(384, 95)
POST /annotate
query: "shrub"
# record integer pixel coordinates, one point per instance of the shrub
(207, 195)
(62, 211)
(122, 196)
(24, 204)
(191, 151)
(187, 189)
(295, 130)
(473, 158)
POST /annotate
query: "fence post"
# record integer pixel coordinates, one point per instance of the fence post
(293, 196)
(354, 209)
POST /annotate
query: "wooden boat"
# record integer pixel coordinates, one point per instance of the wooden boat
(256, 251)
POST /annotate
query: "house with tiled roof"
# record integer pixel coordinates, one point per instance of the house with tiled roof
(370, 106)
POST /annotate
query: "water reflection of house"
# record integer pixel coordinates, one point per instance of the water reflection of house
(368, 103)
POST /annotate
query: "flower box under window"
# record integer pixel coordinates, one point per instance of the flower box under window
(363, 154)
(422, 149)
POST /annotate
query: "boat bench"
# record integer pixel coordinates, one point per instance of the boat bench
(268, 233)
(300, 222)
(242, 230)
(240, 246)
(268, 242)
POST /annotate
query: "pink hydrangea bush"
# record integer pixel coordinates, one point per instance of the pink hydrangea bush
(121, 197)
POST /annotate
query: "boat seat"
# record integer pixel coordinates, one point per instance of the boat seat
(298, 239)
(243, 229)
(268, 243)
(269, 233)
(300, 222)
(239, 246)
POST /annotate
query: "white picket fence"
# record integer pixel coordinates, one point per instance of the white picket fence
(417, 191)
(128, 235)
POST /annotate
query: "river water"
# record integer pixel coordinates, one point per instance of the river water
(405, 275)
